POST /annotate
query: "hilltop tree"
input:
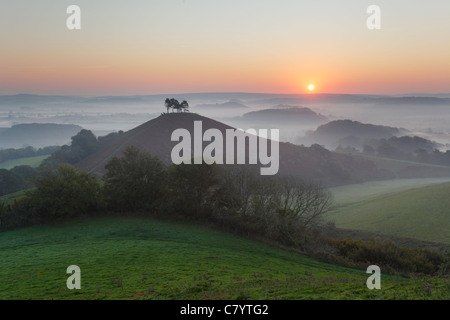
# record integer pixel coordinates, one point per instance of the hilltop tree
(175, 104)
(168, 104)
(184, 105)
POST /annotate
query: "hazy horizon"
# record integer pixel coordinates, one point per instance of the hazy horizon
(408, 94)
(152, 47)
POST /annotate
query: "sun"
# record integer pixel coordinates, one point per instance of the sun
(311, 87)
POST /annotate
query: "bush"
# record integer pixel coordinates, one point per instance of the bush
(63, 193)
(83, 144)
(18, 214)
(390, 256)
(194, 189)
(285, 209)
(136, 181)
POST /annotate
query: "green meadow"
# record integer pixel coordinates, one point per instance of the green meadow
(413, 208)
(28, 161)
(144, 258)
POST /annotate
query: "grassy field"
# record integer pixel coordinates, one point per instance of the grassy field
(353, 193)
(165, 260)
(9, 198)
(418, 209)
(29, 161)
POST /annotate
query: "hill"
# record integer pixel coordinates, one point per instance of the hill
(285, 115)
(348, 132)
(310, 163)
(37, 135)
(232, 104)
(143, 258)
(420, 213)
(27, 161)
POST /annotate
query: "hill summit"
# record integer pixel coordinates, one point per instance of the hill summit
(153, 136)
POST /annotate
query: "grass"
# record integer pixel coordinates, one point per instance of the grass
(144, 258)
(415, 212)
(9, 198)
(353, 193)
(28, 161)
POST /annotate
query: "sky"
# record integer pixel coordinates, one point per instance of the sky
(138, 47)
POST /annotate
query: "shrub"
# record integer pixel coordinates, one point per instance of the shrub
(65, 192)
(194, 189)
(18, 214)
(136, 181)
(390, 256)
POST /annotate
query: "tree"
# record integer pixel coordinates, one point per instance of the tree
(184, 105)
(175, 104)
(287, 208)
(83, 144)
(10, 182)
(65, 192)
(85, 141)
(237, 185)
(167, 104)
(304, 202)
(26, 173)
(193, 188)
(136, 181)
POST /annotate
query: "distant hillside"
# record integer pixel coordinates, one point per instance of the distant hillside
(412, 144)
(257, 98)
(285, 115)
(348, 132)
(37, 135)
(232, 104)
(420, 213)
(33, 162)
(311, 163)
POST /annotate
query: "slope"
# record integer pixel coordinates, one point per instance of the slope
(420, 213)
(143, 258)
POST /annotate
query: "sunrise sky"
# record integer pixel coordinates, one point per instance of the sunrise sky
(173, 46)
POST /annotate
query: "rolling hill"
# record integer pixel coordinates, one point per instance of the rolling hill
(229, 105)
(27, 161)
(420, 213)
(285, 115)
(143, 258)
(348, 132)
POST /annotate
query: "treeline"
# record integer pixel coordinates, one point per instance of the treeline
(17, 179)
(83, 144)
(282, 210)
(413, 149)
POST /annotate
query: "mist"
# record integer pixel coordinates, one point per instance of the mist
(294, 115)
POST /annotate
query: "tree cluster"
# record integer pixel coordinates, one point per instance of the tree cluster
(83, 144)
(16, 179)
(174, 104)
